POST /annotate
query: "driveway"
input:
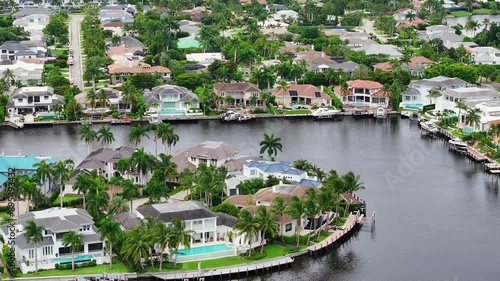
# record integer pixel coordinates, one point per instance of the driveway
(75, 70)
(368, 28)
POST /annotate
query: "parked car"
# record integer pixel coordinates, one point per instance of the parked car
(71, 61)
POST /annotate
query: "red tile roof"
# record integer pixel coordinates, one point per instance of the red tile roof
(31, 60)
(384, 66)
(420, 60)
(307, 90)
(380, 93)
(141, 68)
(364, 84)
(113, 24)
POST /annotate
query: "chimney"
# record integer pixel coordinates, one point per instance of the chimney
(19, 152)
(322, 88)
(322, 54)
(312, 47)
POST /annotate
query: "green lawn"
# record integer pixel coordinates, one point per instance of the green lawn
(4, 215)
(461, 14)
(481, 12)
(323, 236)
(341, 221)
(297, 111)
(118, 267)
(67, 198)
(57, 52)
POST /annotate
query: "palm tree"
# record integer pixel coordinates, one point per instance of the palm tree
(130, 191)
(161, 235)
(62, 172)
(34, 234)
(165, 132)
(494, 132)
(278, 208)
(486, 23)
(434, 93)
(296, 210)
(82, 186)
(97, 197)
(411, 16)
(461, 106)
(311, 209)
(165, 168)
(124, 165)
(28, 189)
(248, 226)
(135, 246)
(9, 76)
(91, 97)
(179, 236)
(156, 191)
(351, 183)
(43, 171)
(110, 231)
(102, 99)
(142, 162)
(105, 136)
(137, 133)
(74, 240)
(118, 205)
(20, 182)
(267, 225)
(272, 145)
(87, 135)
(473, 117)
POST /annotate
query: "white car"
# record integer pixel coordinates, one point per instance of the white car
(70, 61)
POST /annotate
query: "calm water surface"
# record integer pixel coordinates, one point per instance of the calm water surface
(436, 213)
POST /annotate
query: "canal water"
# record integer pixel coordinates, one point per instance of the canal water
(436, 212)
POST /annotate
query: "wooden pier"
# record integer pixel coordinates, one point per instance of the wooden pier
(228, 272)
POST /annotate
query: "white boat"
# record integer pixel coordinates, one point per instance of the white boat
(429, 127)
(406, 114)
(458, 145)
(154, 119)
(325, 113)
(380, 113)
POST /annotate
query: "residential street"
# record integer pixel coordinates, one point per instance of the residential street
(75, 70)
(368, 28)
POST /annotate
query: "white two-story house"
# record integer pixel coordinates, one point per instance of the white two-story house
(171, 100)
(281, 170)
(34, 24)
(417, 94)
(13, 50)
(211, 153)
(33, 99)
(50, 251)
(241, 92)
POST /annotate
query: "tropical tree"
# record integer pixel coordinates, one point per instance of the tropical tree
(142, 162)
(43, 171)
(296, 210)
(267, 225)
(434, 93)
(9, 76)
(62, 172)
(87, 135)
(271, 145)
(278, 208)
(74, 240)
(33, 234)
(130, 191)
(20, 182)
(97, 197)
(124, 166)
(161, 235)
(473, 117)
(118, 205)
(351, 184)
(166, 133)
(82, 185)
(137, 133)
(494, 132)
(179, 235)
(461, 106)
(105, 136)
(111, 232)
(165, 168)
(135, 247)
(311, 209)
(247, 225)
(156, 190)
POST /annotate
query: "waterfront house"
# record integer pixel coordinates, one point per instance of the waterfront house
(171, 100)
(14, 50)
(120, 72)
(302, 94)
(104, 162)
(115, 100)
(33, 99)
(207, 226)
(56, 223)
(24, 164)
(210, 153)
(415, 100)
(243, 93)
(281, 170)
(315, 61)
(473, 95)
(490, 113)
(485, 55)
(204, 59)
(416, 66)
(363, 93)
(25, 70)
(443, 32)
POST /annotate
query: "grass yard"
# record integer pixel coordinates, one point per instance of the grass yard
(4, 215)
(67, 198)
(341, 221)
(57, 52)
(481, 12)
(118, 267)
(323, 236)
(461, 14)
(297, 111)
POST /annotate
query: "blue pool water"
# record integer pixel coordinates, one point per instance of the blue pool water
(414, 105)
(359, 103)
(172, 112)
(48, 115)
(467, 130)
(203, 250)
(77, 259)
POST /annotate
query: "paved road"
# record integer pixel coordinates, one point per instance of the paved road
(75, 70)
(368, 28)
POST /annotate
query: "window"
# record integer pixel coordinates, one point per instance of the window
(253, 172)
(86, 227)
(19, 100)
(213, 162)
(317, 94)
(407, 98)
(31, 254)
(47, 251)
(45, 97)
(221, 94)
(197, 222)
(36, 99)
(293, 93)
(288, 227)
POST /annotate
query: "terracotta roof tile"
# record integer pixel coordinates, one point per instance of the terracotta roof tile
(302, 91)
(31, 60)
(364, 84)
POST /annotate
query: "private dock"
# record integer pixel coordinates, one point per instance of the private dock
(228, 272)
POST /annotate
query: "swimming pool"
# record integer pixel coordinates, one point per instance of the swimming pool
(172, 111)
(413, 105)
(48, 115)
(358, 103)
(77, 259)
(203, 250)
(467, 130)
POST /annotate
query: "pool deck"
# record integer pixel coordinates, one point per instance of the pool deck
(228, 271)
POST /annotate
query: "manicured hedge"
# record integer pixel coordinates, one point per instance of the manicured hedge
(77, 265)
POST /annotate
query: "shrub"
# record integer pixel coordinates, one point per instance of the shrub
(293, 240)
(77, 265)
(257, 256)
(259, 111)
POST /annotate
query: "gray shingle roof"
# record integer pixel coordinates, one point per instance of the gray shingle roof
(23, 244)
(58, 222)
(411, 92)
(440, 81)
(184, 210)
(131, 42)
(14, 46)
(225, 219)
(127, 220)
(185, 94)
(31, 11)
